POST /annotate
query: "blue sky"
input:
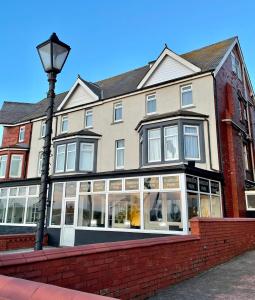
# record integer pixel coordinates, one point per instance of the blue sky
(108, 37)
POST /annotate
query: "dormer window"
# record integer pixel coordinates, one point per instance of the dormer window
(64, 124)
(22, 134)
(151, 104)
(117, 112)
(186, 96)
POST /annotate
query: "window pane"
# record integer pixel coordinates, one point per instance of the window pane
(251, 201)
(132, 184)
(171, 182)
(15, 169)
(193, 205)
(151, 104)
(191, 144)
(88, 119)
(205, 210)
(186, 96)
(57, 204)
(22, 191)
(70, 189)
(162, 211)
(216, 207)
(91, 210)
(86, 157)
(69, 213)
(64, 125)
(85, 187)
(3, 202)
(60, 160)
(99, 186)
(115, 185)
(154, 145)
(118, 112)
(124, 210)
(32, 210)
(16, 210)
(119, 154)
(32, 190)
(70, 158)
(151, 183)
(3, 160)
(21, 134)
(171, 143)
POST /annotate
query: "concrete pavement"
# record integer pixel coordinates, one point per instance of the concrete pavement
(234, 280)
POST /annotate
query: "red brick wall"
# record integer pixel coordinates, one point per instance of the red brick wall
(135, 269)
(230, 139)
(11, 135)
(18, 241)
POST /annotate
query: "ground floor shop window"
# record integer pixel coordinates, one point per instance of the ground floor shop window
(19, 205)
(57, 203)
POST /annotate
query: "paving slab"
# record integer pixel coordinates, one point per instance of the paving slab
(234, 280)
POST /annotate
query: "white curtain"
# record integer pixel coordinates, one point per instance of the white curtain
(171, 143)
(154, 142)
(191, 145)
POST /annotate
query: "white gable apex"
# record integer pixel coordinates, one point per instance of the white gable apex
(168, 66)
(79, 94)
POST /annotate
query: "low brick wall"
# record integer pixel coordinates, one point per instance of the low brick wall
(136, 269)
(18, 241)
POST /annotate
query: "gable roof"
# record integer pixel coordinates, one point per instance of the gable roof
(206, 58)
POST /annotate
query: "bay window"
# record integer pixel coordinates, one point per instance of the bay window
(171, 143)
(86, 157)
(16, 165)
(191, 142)
(3, 161)
(154, 145)
(70, 157)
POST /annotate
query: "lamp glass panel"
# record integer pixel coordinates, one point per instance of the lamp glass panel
(59, 56)
(45, 54)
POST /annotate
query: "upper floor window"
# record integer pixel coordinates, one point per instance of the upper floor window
(43, 129)
(64, 124)
(22, 134)
(40, 158)
(186, 96)
(86, 157)
(246, 159)
(171, 143)
(118, 112)
(119, 154)
(68, 160)
(88, 118)
(236, 66)
(16, 165)
(3, 161)
(191, 142)
(151, 104)
(154, 145)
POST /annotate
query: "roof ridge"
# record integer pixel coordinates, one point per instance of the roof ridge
(17, 102)
(204, 47)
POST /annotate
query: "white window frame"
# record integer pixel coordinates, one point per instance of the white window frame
(87, 114)
(43, 129)
(39, 167)
(116, 106)
(166, 136)
(198, 139)
(22, 134)
(149, 139)
(67, 156)
(57, 153)
(93, 156)
(149, 98)
(64, 119)
(117, 149)
(5, 156)
(183, 91)
(20, 157)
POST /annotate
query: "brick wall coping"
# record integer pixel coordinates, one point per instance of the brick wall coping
(20, 289)
(213, 220)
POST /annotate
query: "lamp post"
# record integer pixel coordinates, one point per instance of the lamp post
(53, 54)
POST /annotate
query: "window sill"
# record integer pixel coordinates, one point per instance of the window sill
(117, 122)
(188, 106)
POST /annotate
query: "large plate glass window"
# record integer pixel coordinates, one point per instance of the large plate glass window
(119, 153)
(3, 202)
(16, 210)
(3, 161)
(191, 142)
(16, 165)
(86, 162)
(186, 96)
(32, 210)
(171, 143)
(89, 118)
(151, 104)
(57, 203)
(117, 112)
(60, 159)
(124, 210)
(154, 145)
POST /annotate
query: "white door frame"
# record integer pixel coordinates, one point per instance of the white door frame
(70, 227)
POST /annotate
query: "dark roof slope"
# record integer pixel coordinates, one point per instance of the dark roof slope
(207, 58)
(83, 132)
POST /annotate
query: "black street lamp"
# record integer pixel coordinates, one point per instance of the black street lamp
(53, 54)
